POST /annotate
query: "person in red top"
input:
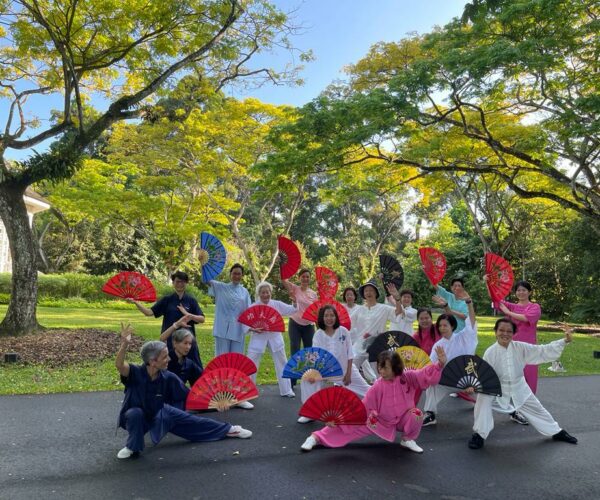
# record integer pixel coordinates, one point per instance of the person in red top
(426, 335)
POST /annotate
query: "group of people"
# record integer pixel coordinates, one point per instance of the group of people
(155, 391)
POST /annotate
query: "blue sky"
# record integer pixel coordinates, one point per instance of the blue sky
(339, 32)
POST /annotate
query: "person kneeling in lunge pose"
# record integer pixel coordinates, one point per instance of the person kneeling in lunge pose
(390, 405)
(154, 401)
(509, 358)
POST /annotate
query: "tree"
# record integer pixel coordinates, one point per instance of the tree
(125, 52)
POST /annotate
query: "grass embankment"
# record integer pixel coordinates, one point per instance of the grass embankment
(97, 376)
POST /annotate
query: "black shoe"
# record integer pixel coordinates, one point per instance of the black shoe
(564, 436)
(476, 442)
(429, 419)
(515, 416)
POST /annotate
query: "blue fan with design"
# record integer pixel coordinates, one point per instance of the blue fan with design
(212, 256)
(312, 363)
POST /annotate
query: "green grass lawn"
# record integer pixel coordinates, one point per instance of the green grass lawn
(99, 376)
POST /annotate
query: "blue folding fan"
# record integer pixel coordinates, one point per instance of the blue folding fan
(212, 256)
(313, 361)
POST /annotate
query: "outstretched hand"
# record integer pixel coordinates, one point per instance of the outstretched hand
(182, 310)
(183, 322)
(441, 354)
(568, 332)
(462, 295)
(126, 332)
(439, 300)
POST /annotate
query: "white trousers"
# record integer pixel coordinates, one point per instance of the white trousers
(369, 369)
(532, 410)
(279, 360)
(434, 394)
(358, 385)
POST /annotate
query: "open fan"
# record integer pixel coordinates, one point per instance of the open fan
(220, 389)
(413, 357)
(263, 317)
(130, 285)
(212, 256)
(434, 264)
(289, 257)
(392, 270)
(327, 283)
(387, 341)
(471, 371)
(311, 313)
(499, 276)
(336, 405)
(312, 358)
(232, 360)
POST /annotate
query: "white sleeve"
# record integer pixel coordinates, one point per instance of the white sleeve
(536, 354)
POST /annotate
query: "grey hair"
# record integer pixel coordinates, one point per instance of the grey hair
(181, 334)
(263, 284)
(151, 350)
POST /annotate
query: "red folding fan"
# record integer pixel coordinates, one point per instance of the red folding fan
(130, 285)
(220, 389)
(499, 276)
(232, 360)
(289, 257)
(336, 405)
(311, 313)
(327, 282)
(434, 264)
(262, 317)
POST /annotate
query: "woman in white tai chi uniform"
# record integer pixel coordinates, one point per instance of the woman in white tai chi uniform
(508, 358)
(259, 341)
(334, 338)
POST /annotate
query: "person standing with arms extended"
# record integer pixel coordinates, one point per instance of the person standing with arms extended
(451, 303)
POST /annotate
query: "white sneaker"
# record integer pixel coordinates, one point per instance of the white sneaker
(304, 420)
(246, 405)
(453, 394)
(124, 453)
(237, 431)
(412, 446)
(289, 395)
(309, 444)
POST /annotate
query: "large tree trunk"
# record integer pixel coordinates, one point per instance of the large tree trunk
(21, 315)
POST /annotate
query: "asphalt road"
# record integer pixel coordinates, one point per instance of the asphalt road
(65, 445)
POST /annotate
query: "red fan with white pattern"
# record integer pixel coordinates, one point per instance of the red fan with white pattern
(289, 257)
(263, 318)
(434, 264)
(335, 405)
(220, 389)
(232, 360)
(130, 285)
(499, 276)
(311, 313)
(327, 282)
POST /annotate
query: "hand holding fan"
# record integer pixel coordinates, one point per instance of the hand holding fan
(312, 358)
(311, 313)
(289, 257)
(391, 270)
(467, 371)
(130, 285)
(212, 256)
(434, 264)
(335, 405)
(232, 360)
(262, 317)
(327, 283)
(499, 276)
(388, 341)
(220, 389)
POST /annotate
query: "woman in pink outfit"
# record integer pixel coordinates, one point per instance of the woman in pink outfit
(390, 405)
(525, 315)
(426, 335)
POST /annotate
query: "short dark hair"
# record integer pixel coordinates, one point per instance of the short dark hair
(505, 320)
(407, 291)
(181, 276)
(524, 284)
(236, 266)
(449, 318)
(395, 361)
(321, 318)
(459, 279)
(302, 271)
(349, 289)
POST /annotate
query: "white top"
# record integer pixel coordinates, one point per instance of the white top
(338, 344)
(509, 362)
(371, 320)
(405, 321)
(459, 344)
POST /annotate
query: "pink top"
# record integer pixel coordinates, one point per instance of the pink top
(388, 400)
(425, 341)
(526, 330)
(303, 300)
